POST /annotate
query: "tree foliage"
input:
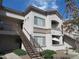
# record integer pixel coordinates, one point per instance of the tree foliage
(0, 3)
(48, 54)
(0, 0)
(72, 8)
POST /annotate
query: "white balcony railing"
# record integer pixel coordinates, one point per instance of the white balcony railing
(56, 32)
(72, 35)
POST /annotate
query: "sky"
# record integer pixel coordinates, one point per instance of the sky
(21, 5)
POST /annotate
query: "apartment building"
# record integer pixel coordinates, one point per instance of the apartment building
(9, 39)
(45, 26)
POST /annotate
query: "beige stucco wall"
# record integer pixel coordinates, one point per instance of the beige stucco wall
(29, 26)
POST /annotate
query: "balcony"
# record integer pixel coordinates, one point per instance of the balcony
(56, 31)
(54, 24)
(6, 28)
(54, 28)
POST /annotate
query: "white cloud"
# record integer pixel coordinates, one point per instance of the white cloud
(53, 5)
(45, 4)
(40, 4)
(41, 7)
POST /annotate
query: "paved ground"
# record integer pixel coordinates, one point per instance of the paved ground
(25, 57)
(11, 56)
(75, 57)
(14, 56)
(72, 54)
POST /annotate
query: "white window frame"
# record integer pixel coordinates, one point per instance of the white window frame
(40, 41)
(38, 21)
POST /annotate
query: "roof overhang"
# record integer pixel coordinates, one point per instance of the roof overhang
(7, 13)
(35, 9)
(44, 12)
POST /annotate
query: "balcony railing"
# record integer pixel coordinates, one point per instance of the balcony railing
(56, 31)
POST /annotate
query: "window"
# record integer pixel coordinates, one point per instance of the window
(40, 40)
(54, 36)
(55, 42)
(55, 39)
(39, 21)
(54, 24)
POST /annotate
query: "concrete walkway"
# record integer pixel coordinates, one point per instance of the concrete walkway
(71, 53)
(75, 57)
(14, 56)
(11, 56)
(25, 57)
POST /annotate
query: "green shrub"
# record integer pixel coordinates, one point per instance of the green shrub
(20, 52)
(1, 0)
(48, 54)
(2, 52)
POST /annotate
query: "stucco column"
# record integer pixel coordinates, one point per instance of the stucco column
(61, 40)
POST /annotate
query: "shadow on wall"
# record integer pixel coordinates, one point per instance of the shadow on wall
(69, 40)
(9, 43)
(4, 26)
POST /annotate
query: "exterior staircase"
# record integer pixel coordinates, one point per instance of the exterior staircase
(68, 39)
(29, 46)
(31, 49)
(70, 34)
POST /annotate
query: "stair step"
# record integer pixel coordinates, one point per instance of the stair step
(36, 55)
(37, 58)
(29, 49)
(33, 53)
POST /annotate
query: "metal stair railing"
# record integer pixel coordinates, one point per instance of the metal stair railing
(25, 39)
(22, 35)
(31, 46)
(16, 24)
(34, 42)
(70, 35)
